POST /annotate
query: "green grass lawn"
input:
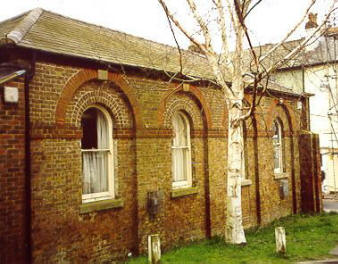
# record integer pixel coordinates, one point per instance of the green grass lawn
(307, 237)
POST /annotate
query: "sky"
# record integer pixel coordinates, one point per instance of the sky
(145, 18)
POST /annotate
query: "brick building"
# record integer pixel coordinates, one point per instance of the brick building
(78, 101)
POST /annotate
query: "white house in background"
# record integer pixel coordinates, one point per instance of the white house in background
(315, 72)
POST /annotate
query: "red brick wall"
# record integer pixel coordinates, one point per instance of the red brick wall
(141, 109)
(12, 178)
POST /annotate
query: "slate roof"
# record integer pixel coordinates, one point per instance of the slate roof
(46, 31)
(324, 49)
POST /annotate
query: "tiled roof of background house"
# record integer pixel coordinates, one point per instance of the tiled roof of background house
(321, 50)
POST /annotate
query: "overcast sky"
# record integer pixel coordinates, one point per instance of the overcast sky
(145, 18)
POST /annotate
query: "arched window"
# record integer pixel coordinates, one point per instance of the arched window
(181, 151)
(278, 146)
(96, 147)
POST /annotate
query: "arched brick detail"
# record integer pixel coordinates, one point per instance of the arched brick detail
(67, 94)
(95, 94)
(86, 75)
(290, 114)
(193, 90)
(282, 111)
(181, 104)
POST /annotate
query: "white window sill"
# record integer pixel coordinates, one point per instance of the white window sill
(100, 205)
(246, 182)
(180, 192)
(181, 184)
(281, 175)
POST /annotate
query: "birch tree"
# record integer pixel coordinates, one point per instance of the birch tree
(234, 74)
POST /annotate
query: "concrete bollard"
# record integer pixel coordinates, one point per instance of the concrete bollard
(154, 249)
(280, 240)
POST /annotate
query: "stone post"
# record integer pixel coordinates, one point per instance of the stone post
(154, 249)
(280, 240)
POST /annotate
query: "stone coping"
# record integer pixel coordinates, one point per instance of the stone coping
(175, 193)
(334, 251)
(325, 261)
(281, 175)
(246, 182)
(101, 205)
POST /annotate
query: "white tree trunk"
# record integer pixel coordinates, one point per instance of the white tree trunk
(234, 232)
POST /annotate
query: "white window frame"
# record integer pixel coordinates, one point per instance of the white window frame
(278, 146)
(187, 166)
(110, 194)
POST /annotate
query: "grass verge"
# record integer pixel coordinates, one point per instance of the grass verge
(307, 238)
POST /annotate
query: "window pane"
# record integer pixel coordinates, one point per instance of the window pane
(180, 150)
(179, 164)
(95, 172)
(180, 130)
(95, 162)
(275, 129)
(95, 130)
(276, 158)
(102, 131)
(275, 137)
(89, 128)
(277, 146)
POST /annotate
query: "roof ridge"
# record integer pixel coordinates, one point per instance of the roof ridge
(18, 33)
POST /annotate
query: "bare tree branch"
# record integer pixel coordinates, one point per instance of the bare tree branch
(203, 26)
(289, 33)
(179, 26)
(222, 27)
(301, 45)
(209, 52)
(178, 46)
(252, 8)
(232, 18)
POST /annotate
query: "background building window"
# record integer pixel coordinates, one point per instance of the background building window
(278, 146)
(181, 151)
(96, 147)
